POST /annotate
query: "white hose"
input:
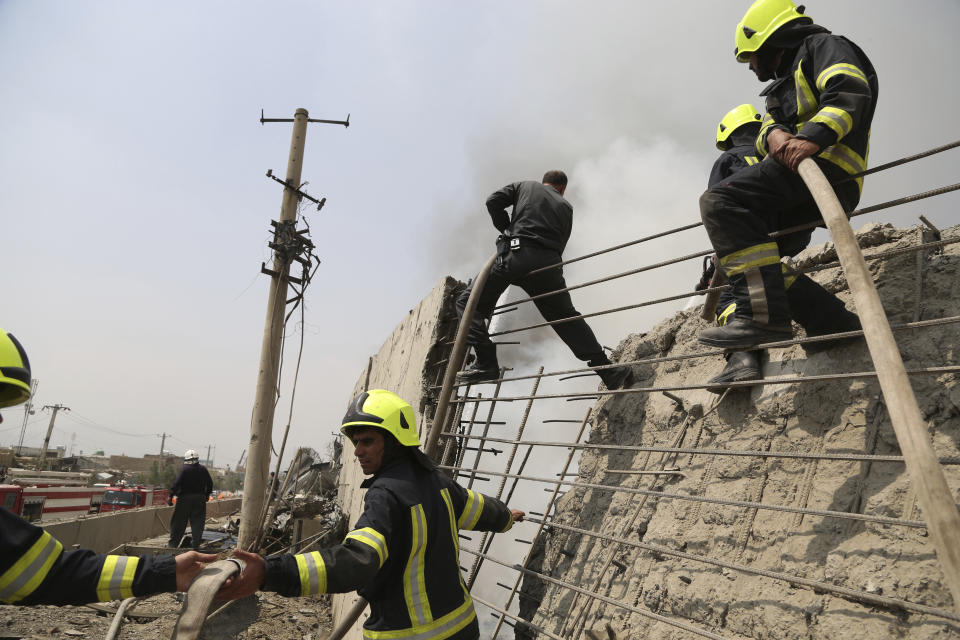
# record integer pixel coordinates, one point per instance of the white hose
(200, 596)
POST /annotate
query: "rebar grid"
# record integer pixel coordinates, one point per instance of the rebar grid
(733, 385)
(854, 594)
(550, 505)
(504, 613)
(681, 433)
(487, 539)
(486, 430)
(847, 457)
(844, 515)
(936, 322)
(643, 612)
(688, 294)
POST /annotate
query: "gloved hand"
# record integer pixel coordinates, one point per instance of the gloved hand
(169, 502)
(709, 268)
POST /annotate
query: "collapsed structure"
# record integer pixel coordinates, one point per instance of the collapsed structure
(779, 510)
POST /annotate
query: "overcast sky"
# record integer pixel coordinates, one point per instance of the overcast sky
(136, 211)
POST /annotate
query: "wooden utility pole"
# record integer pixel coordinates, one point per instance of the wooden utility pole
(208, 455)
(261, 422)
(46, 439)
(27, 412)
(163, 441)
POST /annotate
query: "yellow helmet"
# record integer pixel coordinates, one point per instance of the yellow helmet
(735, 118)
(760, 22)
(385, 410)
(14, 371)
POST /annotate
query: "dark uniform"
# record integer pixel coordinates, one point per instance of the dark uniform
(34, 569)
(539, 228)
(402, 555)
(826, 92)
(192, 488)
(806, 298)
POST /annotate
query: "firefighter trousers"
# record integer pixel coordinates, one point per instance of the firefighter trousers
(513, 268)
(192, 508)
(738, 215)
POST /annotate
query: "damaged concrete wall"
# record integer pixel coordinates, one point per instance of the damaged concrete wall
(410, 363)
(825, 416)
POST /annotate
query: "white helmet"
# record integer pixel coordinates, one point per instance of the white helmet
(191, 457)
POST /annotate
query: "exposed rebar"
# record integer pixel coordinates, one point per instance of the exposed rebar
(919, 524)
(643, 612)
(688, 294)
(797, 455)
(732, 385)
(854, 594)
(706, 353)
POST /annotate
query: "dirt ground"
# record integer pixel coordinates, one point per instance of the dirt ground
(262, 616)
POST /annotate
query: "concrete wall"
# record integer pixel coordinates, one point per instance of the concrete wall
(829, 415)
(406, 365)
(108, 531)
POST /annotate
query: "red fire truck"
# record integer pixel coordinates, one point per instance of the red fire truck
(52, 501)
(132, 497)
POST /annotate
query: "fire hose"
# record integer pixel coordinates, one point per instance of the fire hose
(200, 596)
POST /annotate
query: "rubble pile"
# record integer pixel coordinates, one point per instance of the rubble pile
(306, 492)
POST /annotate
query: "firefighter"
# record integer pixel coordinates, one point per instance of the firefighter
(820, 104)
(192, 489)
(402, 555)
(34, 568)
(533, 237)
(736, 134)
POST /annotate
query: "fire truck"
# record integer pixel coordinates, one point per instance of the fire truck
(50, 501)
(132, 497)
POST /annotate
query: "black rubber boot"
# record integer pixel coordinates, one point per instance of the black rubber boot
(741, 333)
(742, 365)
(484, 369)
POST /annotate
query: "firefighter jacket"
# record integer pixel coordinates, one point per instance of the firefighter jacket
(540, 214)
(731, 161)
(402, 556)
(827, 96)
(193, 479)
(34, 569)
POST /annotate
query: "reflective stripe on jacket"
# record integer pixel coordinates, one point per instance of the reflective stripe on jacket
(829, 97)
(402, 555)
(34, 569)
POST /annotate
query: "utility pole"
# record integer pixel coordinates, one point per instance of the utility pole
(46, 440)
(27, 412)
(163, 441)
(208, 455)
(261, 422)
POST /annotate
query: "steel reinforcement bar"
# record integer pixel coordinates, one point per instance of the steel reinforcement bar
(883, 255)
(782, 344)
(796, 455)
(844, 592)
(825, 513)
(732, 385)
(687, 294)
(622, 605)
(775, 234)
